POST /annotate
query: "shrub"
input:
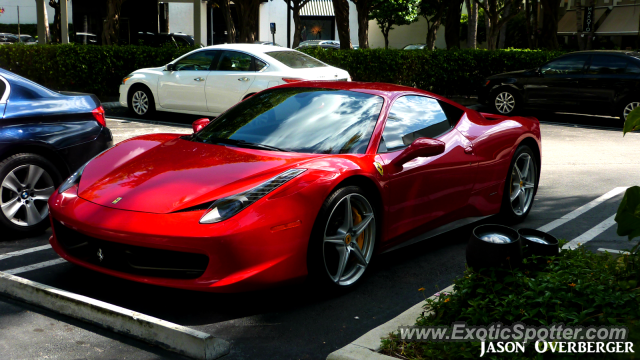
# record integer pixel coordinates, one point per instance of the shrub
(83, 68)
(446, 72)
(577, 288)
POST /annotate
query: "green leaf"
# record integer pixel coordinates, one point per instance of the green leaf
(633, 122)
(628, 215)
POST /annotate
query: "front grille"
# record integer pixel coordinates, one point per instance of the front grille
(128, 258)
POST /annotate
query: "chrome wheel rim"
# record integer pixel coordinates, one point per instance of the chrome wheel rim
(628, 108)
(523, 177)
(140, 102)
(24, 194)
(505, 102)
(349, 238)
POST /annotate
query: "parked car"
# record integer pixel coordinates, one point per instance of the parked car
(44, 137)
(28, 40)
(87, 38)
(208, 81)
(415, 47)
(162, 39)
(311, 178)
(589, 82)
(6, 38)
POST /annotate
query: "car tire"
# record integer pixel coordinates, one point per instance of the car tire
(337, 257)
(141, 101)
(520, 185)
(505, 101)
(626, 106)
(26, 183)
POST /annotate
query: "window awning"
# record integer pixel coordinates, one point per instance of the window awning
(623, 20)
(318, 8)
(567, 25)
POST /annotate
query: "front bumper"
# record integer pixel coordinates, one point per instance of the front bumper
(243, 253)
(124, 91)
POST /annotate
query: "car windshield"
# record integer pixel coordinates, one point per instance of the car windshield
(413, 47)
(305, 120)
(295, 59)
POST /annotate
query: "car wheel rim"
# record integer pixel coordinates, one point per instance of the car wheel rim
(140, 102)
(505, 102)
(349, 238)
(523, 178)
(629, 107)
(24, 194)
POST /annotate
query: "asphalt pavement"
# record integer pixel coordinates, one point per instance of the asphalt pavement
(583, 158)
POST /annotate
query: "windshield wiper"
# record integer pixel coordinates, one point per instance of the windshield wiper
(243, 143)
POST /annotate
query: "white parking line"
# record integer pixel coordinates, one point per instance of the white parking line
(25, 251)
(582, 209)
(34, 266)
(591, 233)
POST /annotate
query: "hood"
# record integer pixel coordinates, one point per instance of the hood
(519, 73)
(162, 173)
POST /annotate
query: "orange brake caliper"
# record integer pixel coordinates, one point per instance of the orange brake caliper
(357, 219)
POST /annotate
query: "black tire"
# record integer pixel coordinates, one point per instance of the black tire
(505, 101)
(20, 166)
(318, 249)
(625, 106)
(145, 105)
(508, 212)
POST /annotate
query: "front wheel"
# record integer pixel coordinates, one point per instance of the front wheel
(343, 239)
(520, 186)
(141, 101)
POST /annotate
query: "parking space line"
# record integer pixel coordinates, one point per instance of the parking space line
(25, 251)
(591, 233)
(582, 209)
(34, 266)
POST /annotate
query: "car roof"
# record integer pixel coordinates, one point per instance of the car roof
(252, 48)
(611, 52)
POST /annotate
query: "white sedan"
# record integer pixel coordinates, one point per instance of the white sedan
(210, 80)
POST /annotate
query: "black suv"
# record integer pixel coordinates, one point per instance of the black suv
(161, 39)
(591, 82)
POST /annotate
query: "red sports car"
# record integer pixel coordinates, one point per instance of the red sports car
(309, 178)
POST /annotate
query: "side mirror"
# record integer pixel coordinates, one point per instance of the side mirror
(421, 147)
(199, 124)
(171, 67)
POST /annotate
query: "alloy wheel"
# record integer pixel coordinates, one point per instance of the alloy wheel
(349, 239)
(24, 202)
(505, 102)
(523, 179)
(140, 102)
(629, 107)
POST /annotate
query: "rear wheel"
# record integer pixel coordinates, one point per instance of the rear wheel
(627, 106)
(343, 239)
(505, 102)
(26, 183)
(520, 186)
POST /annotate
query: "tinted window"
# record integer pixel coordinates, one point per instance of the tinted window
(295, 59)
(632, 68)
(235, 61)
(197, 61)
(260, 65)
(308, 120)
(3, 88)
(606, 65)
(565, 66)
(181, 41)
(413, 117)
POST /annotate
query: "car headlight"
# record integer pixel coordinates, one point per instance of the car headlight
(225, 208)
(74, 179)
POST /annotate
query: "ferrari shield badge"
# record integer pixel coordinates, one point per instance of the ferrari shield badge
(378, 167)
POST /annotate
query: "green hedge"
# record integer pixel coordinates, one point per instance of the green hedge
(444, 72)
(83, 68)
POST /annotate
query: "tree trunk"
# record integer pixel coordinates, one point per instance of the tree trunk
(452, 25)
(341, 10)
(487, 26)
(111, 26)
(472, 24)
(363, 7)
(225, 7)
(55, 30)
(503, 31)
(297, 24)
(247, 14)
(549, 36)
(385, 33)
(432, 31)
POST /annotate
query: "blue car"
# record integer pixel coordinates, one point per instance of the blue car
(44, 137)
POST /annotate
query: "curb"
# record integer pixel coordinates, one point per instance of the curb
(368, 345)
(169, 336)
(152, 122)
(112, 105)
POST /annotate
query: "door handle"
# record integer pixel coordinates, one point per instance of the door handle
(199, 79)
(243, 79)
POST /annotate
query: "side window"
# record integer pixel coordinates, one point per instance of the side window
(260, 65)
(197, 61)
(632, 68)
(235, 61)
(3, 88)
(413, 117)
(607, 65)
(568, 65)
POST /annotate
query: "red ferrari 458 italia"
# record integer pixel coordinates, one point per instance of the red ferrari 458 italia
(305, 179)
